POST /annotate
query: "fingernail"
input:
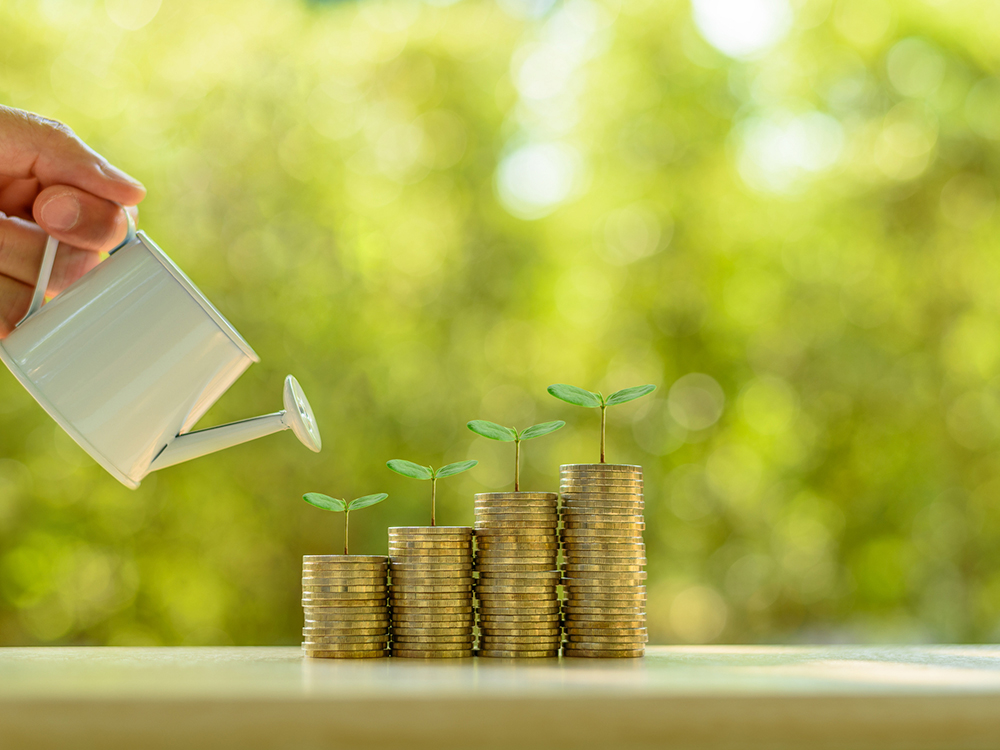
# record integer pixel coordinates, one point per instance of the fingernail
(62, 212)
(116, 174)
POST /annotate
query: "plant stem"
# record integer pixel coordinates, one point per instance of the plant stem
(604, 414)
(434, 486)
(517, 465)
(347, 516)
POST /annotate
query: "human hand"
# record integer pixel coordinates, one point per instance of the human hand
(52, 183)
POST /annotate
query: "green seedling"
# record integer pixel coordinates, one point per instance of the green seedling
(495, 431)
(579, 397)
(342, 506)
(416, 471)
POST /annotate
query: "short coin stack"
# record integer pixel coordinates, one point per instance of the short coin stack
(518, 575)
(345, 606)
(604, 557)
(431, 591)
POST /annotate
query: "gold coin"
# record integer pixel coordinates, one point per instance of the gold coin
(349, 609)
(592, 485)
(616, 525)
(597, 547)
(434, 553)
(373, 588)
(579, 637)
(551, 543)
(623, 654)
(412, 654)
(334, 581)
(372, 639)
(575, 570)
(520, 575)
(371, 619)
(577, 513)
(432, 629)
(366, 629)
(577, 537)
(416, 622)
(498, 513)
(436, 544)
(541, 619)
(358, 626)
(519, 589)
(606, 575)
(606, 628)
(431, 570)
(359, 646)
(627, 612)
(435, 531)
(515, 496)
(542, 566)
(510, 629)
(344, 559)
(574, 595)
(509, 654)
(513, 535)
(311, 583)
(552, 641)
(489, 611)
(318, 571)
(431, 606)
(602, 498)
(435, 644)
(594, 558)
(356, 614)
(447, 640)
(341, 600)
(518, 524)
(449, 558)
(415, 580)
(625, 536)
(420, 617)
(595, 645)
(313, 653)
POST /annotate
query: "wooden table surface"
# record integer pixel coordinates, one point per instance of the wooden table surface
(882, 697)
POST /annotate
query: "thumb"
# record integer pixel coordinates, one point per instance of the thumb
(34, 147)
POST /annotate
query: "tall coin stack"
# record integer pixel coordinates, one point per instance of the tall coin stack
(345, 606)
(604, 557)
(518, 575)
(431, 591)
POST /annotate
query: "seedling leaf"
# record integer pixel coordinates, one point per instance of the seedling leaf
(629, 394)
(364, 502)
(456, 468)
(541, 429)
(410, 469)
(492, 430)
(325, 502)
(573, 395)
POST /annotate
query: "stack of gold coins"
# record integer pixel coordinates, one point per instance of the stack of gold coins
(604, 557)
(431, 591)
(518, 574)
(345, 606)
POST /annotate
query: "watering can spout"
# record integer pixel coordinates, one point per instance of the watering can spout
(297, 417)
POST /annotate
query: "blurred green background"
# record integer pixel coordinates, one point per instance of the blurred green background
(781, 212)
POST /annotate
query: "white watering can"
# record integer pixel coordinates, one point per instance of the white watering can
(128, 359)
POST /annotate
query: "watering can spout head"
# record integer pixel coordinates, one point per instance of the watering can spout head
(297, 417)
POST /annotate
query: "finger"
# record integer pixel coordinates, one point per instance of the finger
(78, 218)
(33, 146)
(17, 196)
(15, 299)
(22, 245)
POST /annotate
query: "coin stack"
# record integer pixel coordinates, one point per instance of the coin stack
(431, 591)
(604, 557)
(345, 606)
(516, 562)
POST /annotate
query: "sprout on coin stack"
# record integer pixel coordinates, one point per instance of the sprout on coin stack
(431, 569)
(344, 596)
(517, 561)
(603, 550)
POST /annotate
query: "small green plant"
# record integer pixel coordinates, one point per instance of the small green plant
(580, 397)
(495, 431)
(337, 505)
(416, 471)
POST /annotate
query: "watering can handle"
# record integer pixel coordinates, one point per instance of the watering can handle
(49, 259)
